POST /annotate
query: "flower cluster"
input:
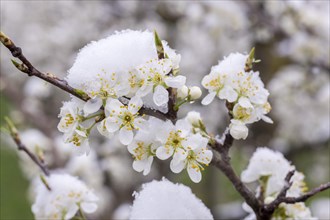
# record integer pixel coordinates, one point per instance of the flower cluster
(233, 81)
(270, 169)
(187, 149)
(66, 196)
(119, 87)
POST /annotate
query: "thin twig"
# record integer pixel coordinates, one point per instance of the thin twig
(268, 210)
(302, 198)
(15, 136)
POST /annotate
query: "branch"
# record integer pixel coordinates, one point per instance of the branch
(303, 198)
(269, 209)
(30, 70)
(15, 136)
(291, 200)
(221, 160)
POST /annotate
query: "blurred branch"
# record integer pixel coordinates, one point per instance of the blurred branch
(30, 70)
(39, 119)
(15, 136)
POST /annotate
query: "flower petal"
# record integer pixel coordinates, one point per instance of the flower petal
(148, 165)
(175, 82)
(113, 105)
(164, 153)
(267, 119)
(204, 156)
(102, 128)
(112, 125)
(245, 102)
(160, 96)
(125, 136)
(194, 173)
(141, 123)
(135, 104)
(184, 126)
(88, 207)
(209, 98)
(139, 165)
(180, 154)
(177, 166)
(92, 105)
(228, 93)
(238, 129)
(71, 211)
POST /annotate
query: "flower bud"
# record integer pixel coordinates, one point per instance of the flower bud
(194, 118)
(195, 92)
(182, 92)
(238, 129)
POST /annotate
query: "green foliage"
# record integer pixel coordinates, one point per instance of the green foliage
(13, 187)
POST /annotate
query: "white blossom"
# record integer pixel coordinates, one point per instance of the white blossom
(270, 169)
(196, 155)
(71, 114)
(66, 197)
(172, 139)
(79, 140)
(124, 118)
(143, 147)
(124, 64)
(219, 81)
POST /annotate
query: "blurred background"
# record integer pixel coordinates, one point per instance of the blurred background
(291, 39)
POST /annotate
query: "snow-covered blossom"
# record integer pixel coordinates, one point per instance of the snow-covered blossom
(221, 79)
(125, 64)
(144, 146)
(231, 81)
(66, 197)
(165, 200)
(267, 163)
(270, 169)
(124, 118)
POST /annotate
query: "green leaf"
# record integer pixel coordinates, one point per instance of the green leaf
(159, 46)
